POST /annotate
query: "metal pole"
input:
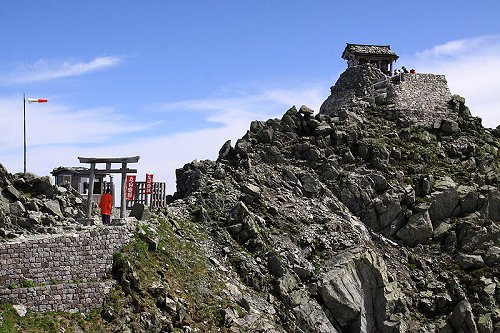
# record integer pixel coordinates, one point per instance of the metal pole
(24, 121)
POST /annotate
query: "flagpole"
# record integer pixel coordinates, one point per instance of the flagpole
(24, 118)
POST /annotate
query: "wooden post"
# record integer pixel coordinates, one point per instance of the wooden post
(112, 187)
(124, 181)
(91, 189)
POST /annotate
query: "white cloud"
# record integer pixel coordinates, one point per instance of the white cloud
(51, 124)
(44, 69)
(472, 69)
(61, 135)
(261, 105)
(447, 49)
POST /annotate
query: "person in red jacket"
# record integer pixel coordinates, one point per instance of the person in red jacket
(106, 204)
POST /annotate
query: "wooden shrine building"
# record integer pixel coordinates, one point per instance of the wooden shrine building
(380, 56)
(78, 178)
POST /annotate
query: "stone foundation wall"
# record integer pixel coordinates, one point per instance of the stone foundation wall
(79, 297)
(422, 98)
(421, 91)
(419, 98)
(67, 270)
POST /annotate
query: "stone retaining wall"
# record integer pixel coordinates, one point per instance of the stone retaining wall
(419, 98)
(422, 98)
(67, 270)
(79, 297)
(421, 91)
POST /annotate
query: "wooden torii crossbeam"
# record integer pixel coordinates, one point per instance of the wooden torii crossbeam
(109, 161)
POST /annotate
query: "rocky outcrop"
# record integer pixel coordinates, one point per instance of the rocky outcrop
(30, 204)
(358, 294)
(362, 218)
(350, 222)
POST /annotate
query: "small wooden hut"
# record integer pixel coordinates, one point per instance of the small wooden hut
(380, 56)
(79, 177)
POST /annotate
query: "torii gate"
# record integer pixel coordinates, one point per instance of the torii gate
(123, 170)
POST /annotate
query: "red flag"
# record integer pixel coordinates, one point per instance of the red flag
(130, 187)
(149, 184)
(36, 100)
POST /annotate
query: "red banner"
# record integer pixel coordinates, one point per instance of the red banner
(149, 184)
(130, 188)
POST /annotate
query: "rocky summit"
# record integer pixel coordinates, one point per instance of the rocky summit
(380, 213)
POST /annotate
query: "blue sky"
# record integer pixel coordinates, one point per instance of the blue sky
(171, 81)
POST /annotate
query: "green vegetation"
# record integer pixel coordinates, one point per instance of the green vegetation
(11, 322)
(27, 284)
(178, 263)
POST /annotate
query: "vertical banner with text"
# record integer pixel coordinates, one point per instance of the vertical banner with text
(130, 187)
(149, 184)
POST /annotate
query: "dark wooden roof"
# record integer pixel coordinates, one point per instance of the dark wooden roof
(72, 170)
(133, 159)
(376, 50)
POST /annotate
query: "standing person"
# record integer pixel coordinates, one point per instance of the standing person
(106, 204)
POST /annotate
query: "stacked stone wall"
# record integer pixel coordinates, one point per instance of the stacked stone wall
(423, 98)
(67, 271)
(70, 297)
(419, 98)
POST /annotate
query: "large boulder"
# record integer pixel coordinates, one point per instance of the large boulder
(462, 318)
(53, 207)
(358, 293)
(449, 127)
(492, 256)
(494, 206)
(43, 186)
(417, 230)
(445, 200)
(468, 198)
(140, 211)
(469, 261)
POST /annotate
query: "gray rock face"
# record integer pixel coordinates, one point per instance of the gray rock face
(462, 318)
(469, 261)
(12, 191)
(444, 200)
(54, 207)
(379, 214)
(494, 206)
(353, 294)
(468, 198)
(17, 208)
(308, 312)
(492, 256)
(417, 230)
(449, 127)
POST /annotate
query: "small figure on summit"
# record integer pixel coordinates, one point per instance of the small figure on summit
(106, 204)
